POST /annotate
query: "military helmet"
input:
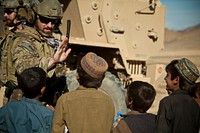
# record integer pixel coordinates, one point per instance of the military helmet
(10, 3)
(49, 8)
(15, 3)
(22, 9)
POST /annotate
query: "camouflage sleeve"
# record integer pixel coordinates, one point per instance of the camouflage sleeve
(25, 55)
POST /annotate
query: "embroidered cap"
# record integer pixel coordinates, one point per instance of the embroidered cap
(94, 65)
(188, 70)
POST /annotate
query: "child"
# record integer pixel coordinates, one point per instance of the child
(140, 96)
(28, 114)
(86, 109)
(178, 112)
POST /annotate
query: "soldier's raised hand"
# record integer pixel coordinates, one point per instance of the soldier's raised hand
(60, 54)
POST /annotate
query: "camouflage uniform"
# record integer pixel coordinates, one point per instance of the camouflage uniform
(3, 64)
(21, 53)
(27, 50)
(4, 52)
(9, 33)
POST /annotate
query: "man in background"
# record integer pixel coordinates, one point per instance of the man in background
(15, 17)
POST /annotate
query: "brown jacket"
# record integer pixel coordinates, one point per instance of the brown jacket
(85, 110)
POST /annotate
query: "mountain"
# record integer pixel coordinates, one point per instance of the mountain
(188, 39)
(179, 44)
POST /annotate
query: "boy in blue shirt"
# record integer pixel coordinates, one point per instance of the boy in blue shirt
(28, 114)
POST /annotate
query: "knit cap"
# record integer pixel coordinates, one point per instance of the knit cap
(94, 65)
(187, 70)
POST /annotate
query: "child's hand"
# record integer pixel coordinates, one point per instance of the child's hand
(50, 107)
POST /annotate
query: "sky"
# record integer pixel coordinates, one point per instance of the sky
(181, 14)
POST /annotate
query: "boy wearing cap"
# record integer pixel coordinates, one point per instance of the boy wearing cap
(86, 110)
(178, 112)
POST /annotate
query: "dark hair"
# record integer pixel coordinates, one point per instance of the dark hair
(183, 84)
(142, 94)
(88, 81)
(31, 81)
(172, 69)
(195, 91)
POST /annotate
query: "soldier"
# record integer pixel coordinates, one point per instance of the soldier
(36, 46)
(15, 17)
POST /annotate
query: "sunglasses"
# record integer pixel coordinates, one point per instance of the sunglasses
(47, 20)
(8, 11)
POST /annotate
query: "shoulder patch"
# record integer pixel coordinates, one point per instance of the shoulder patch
(28, 46)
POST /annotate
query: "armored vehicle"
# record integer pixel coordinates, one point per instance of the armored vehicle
(124, 32)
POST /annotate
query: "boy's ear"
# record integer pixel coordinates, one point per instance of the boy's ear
(130, 102)
(43, 90)
(176, 80)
